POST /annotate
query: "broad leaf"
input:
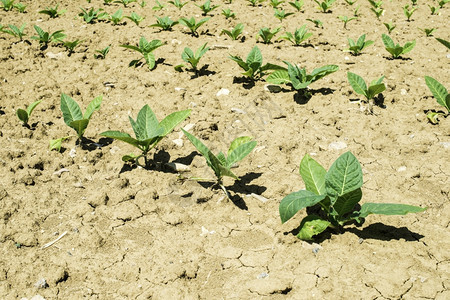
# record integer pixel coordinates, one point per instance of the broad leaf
(375, 90)
(79, 126)
(70, 109)
(93, 106)
(323, 71)
(172, 120)
(226, 172)
(121, 136)
(147, 121)
(313, 174)
(239, 153)
(408, 47)
(237, 142)
(56, 144)
(395, 51)
(344, 176)
(22, 115)
(279, 77)
(138, 131)
(439, 92)
(387, 41)
(254, 59)
(388, 209)
(199, 145)
(346, 203)
(357, 82)
(131, 47)
(310, 226)
(296, 201)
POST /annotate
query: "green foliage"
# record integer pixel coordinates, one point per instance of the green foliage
(45, 37)
(146, 49)
(376, 4)
(266, 34)
(74, 118)
(253, 65)
(389, 27)
(444, 42)
(377, 11)
(255, 3)
(165, 23)
(107, 2)
(117, 17)
(125, 2)
(228, 13)
(281, 14)
(192, 24)
(325, 5)
(178, 4)
(193, 58)
(70, 46)
(135, 18)
(7, 5)
(298, 5)
(428, 31)
(434, 10)
(92, 15)
(158, 6)
(221, 164)
(206, 7)
(414, 2)
(346, 19)
(395, 49)
(24, 115)
(53, 12)
(299, 36)
(442, 97)
(235, 32)
(350, 2)
(298, 78)
(359, 46)
(148, 131)
(102, 53)
(442, 3)
(15, 31)
(360, 87)
(20, 7)
(408, 13)
(276, 3)
(317, 23)
(335, 193)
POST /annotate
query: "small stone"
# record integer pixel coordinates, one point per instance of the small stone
(445, 144)
(403, 92)
(73, 153)
(206, 231)
(114, 149)
(272, 88)
(178, 167)
(52, 55)
(401, 169)
(238, 111)
(223, 91)
(179, 89)
(260, 198)
(346, 58)
(59, 172)
(178, 142)
(41, 284)
(263, 275)
(337, 146)
(175, 41)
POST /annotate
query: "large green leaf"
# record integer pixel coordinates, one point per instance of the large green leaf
(121, 136)
(79, 126)
(93, 106)
(138, 131)
(439, 92)
(70, 109)
(313, 174)
(296, 201)
(387, 41)
(199, 146)
(310, 226)
(408, 47)
(395, 51)
(239, 61)
(240, 152)
(279, 77)
(254, 59)
(172, 120)
(357, 83)
(375, 90)
(388, 209)
(323, 71)
(147, 121)
(344, 176)
(132, 48)
(346, 203)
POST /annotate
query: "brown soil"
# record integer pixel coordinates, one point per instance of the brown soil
(144, 233)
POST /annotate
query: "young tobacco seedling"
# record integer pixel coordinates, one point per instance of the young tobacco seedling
(317, 23)
(276, 3)
(376, 4)
(444, 42)
(325, 5)
(281, 14)
(146, 49)
(165, 23)
(443, 2)
(255, 3)
(221, 164)
(125, 2)
(359, 86)
(228, 13)
(389, 27)
(148, 131)
(298, 78)
(377, 11)
(235, 32)
(178, 4)
(70, 46)
(135, 18)
(92, 15)
(192, 25)
(408, 13)
(53, 12)
(298, 5)
(359, 46)
(253, 65)
(300, 35)
(158, 6)
(428, 31)
(395, 49)
(7, 5)
(266, 34)
(15, 31)
(102, 53)
(414, 2)
(192, 58)
(206, 7)
(20, 7)
(117, 17)
(335, 193)
(434, 10)
(45, 37)
(346, 19)
(350, 2)
(24, 115)
(442, 97)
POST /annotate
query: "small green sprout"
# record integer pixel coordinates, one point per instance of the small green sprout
(359, 86)
(165, 23)
(442, 97)
(434, 10)
(346, 19)
(135, 18)
(276, 3)
(146, 49)
(20, 7)
(428, 31)
(350, 2)
(235, 32)
(414, 2)
(7, 5)
(148, 131)
(336, 194)
(24, 115)
(45, 37)
(15, 31)
(53, 12)
(408, 13)
(70, 46)
(192, 58)
(298, 5)
(376, 4)
(143, 4)
(117, 17)
(255, 3)
(102, 53)
(206, 7)
(325, 5)
(178, 4)
(281, 14)
(221, 164)
(299, 36)
(444, 42)
(359, 46)
(317, 23)
(442, 3)
(266, 34)
(124, 2)
(92, 15)
(395, 49)
(192, 24)
(158, 6)
(228, 13)
(389, 27)
(377, 11)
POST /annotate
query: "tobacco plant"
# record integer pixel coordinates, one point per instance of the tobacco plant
(298, 78)
(350, 2)
(165, 23)
(360, 87)
(158, 6)
(255, 3)
(444, 42)
(7, 5)
(281, 14)
(24, 115)
(124, 2)
(15, 31)
(376, 4)
(266, 34)
(428, 31)
(148, 132)
(117, 17)
(45, 38)
(235, 32)
(442, 97)
(377, 11)
(276, 3)
(443, 2)
(359, 46)
(298, 5)
(253, 65)
(325, 5)
(192, 58)
(408, 13)
(53, 12)
(228, 13)
(206, 7)
(346, 19)
(135, 18)
(92, 15)
(335, 194)
(390, 27)
(20, 7)
(192, 24)
(317, 23)
(299, 36)
(395, 49)
(221, 164)
(102, 53)
(434, 10)
(146, 49)
(70, 46)
(178, 4)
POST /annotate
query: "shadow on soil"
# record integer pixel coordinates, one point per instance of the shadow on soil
(382, 232)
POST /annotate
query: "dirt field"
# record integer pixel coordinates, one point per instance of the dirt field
(135, 233)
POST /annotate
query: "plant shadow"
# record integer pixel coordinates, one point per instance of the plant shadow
(382, 232)
(247, 83)
(160, 158)
(242, 186)
(203, 71)
(302, 97)
(90, 145)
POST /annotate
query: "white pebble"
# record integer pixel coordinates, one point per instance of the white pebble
(223, 91)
